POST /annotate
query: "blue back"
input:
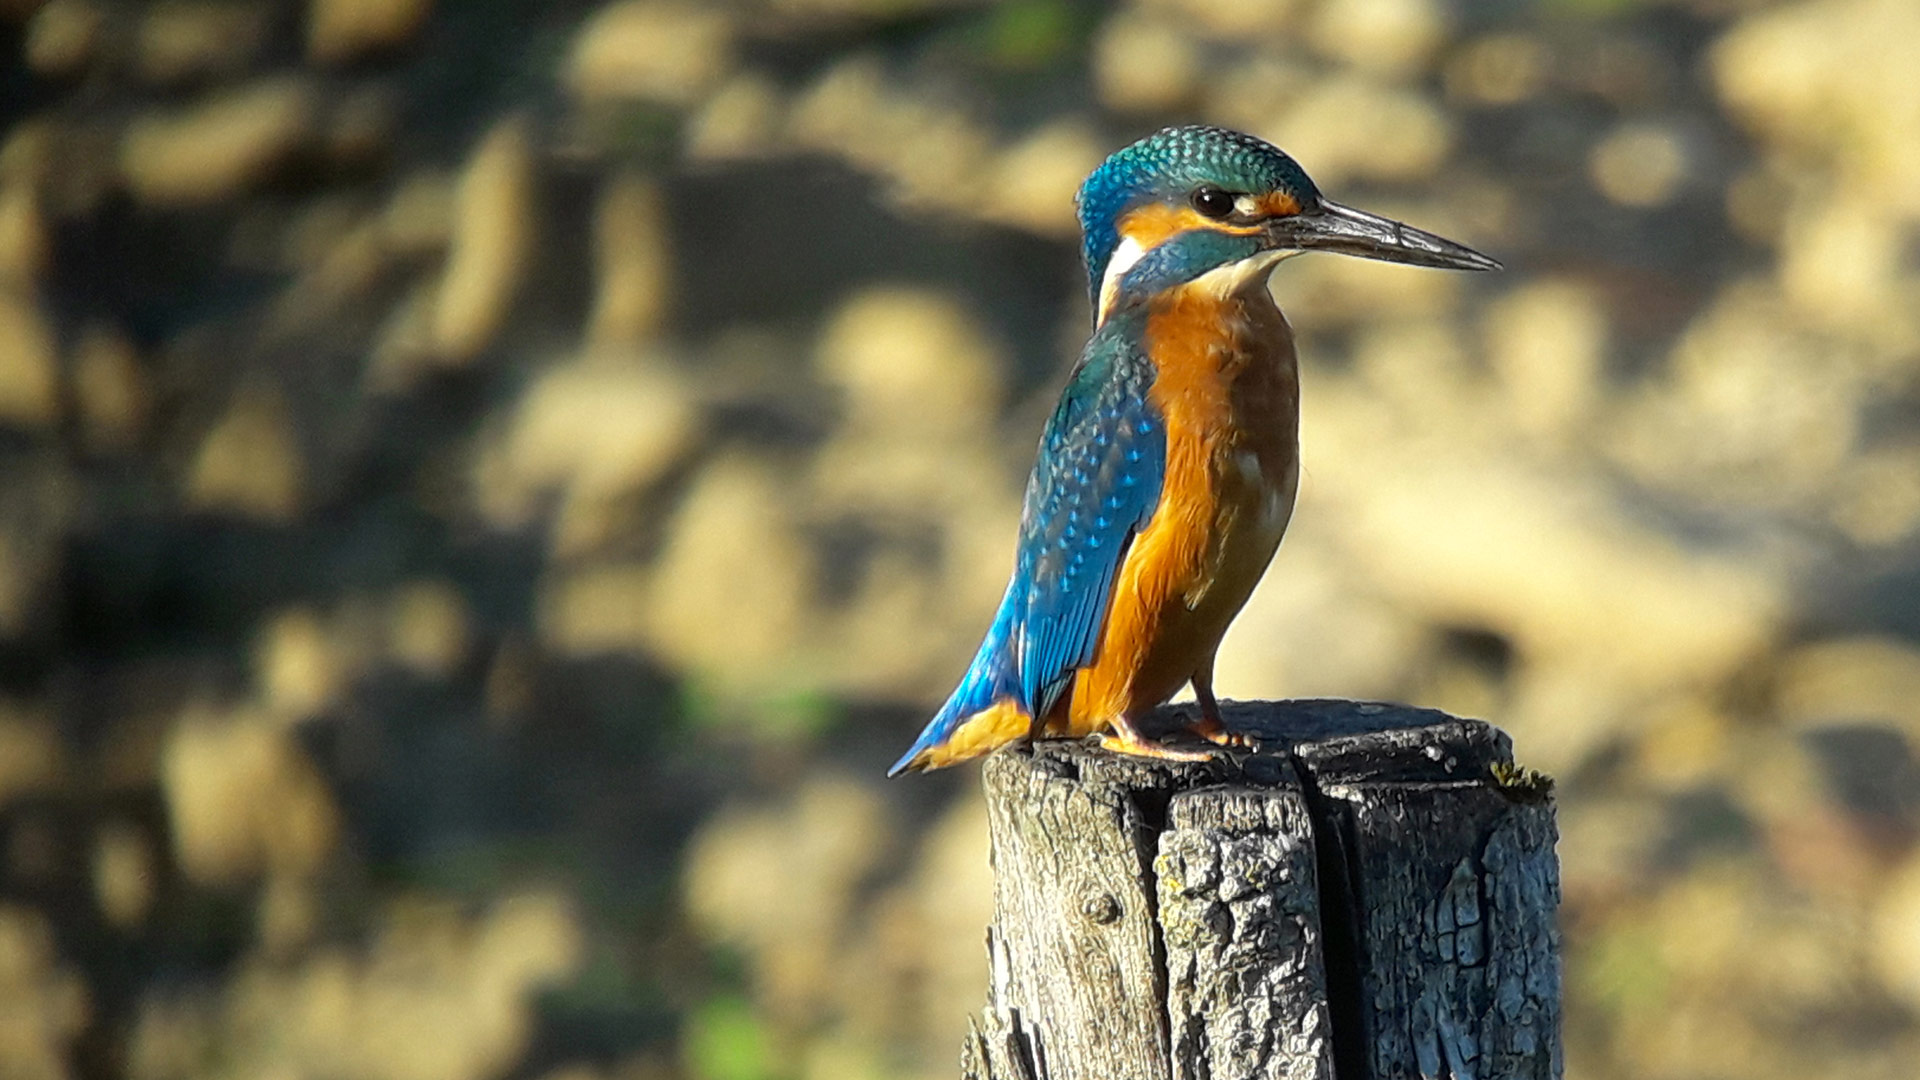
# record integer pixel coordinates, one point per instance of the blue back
(1095, 485)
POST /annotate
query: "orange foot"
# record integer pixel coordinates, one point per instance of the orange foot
(1211, 729)
(1209, 726)
(1129, 742)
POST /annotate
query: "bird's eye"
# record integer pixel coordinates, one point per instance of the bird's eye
(1212, 202)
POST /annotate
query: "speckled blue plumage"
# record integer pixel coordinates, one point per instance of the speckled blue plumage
(1168, 164)
(1094, 485)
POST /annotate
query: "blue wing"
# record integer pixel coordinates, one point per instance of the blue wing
(1095, 484)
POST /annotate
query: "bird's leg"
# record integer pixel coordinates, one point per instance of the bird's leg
(1210, 727)
(1036, 726)
(1126, 739)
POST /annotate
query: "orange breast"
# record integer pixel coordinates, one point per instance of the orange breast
(1227, 385)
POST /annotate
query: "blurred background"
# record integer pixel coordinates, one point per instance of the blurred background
(487, 487)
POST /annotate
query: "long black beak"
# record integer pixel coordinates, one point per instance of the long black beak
(1332, 227)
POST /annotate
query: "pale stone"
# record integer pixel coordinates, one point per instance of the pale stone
(1895, 951)
(1145, 64)
(1859, 678)
(633, 265)
(1230, 23)
(1753, 409)
(964, 493)
(249, 462)
(1356, 126)
(493, 235)
(1499, 69)
(1247, 95)
(1419, 366)
(1705, 925)
(1392, 37)
(1330, 292)
(530, 940)
(934, 155)
(44, 1005)
(941, 157)
(1686, 743)
(212, 151)
(838, 109)
(895, 351)
(1876, 499)
(63, 36)
(300, 670)
(1034, 181)
(428, 628)
(111, 392)
(953, 886)
(432, 993)
(125, 874)
(1608, 843)
(24, 243)
(419, 215)
(597, 609)
(1841, 262)
(1640, 164)
(1757, 200)
(1603, 611)
(732, 592)
(741, 119)
(32, 758)
(660, 50)
(29, 371)
(1832, 76)
(859, 649)
(821, 845)
(340, 30)
(287, 916)
(596, 430)
(1547, 342)
(180, 40)
(1309, 630)
(242, 798)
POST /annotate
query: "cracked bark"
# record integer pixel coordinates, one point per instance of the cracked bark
(1358, 899)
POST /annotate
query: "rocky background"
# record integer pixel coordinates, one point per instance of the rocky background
(486, 487)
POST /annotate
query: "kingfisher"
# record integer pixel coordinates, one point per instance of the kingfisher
(1166, 474)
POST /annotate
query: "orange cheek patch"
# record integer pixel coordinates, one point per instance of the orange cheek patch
(1153, 224)
(1277, 204)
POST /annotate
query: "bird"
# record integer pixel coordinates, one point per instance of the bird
(1167, 472)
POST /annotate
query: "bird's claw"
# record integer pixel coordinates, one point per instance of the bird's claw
(1232, 740)
(1211, 729)
(1130, 743)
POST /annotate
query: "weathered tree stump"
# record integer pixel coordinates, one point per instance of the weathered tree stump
(1368, 895)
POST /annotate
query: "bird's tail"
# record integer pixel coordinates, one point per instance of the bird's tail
(984, 711)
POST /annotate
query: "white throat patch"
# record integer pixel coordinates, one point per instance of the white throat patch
(1238, 277)
(1224, 281)
(1124, 256)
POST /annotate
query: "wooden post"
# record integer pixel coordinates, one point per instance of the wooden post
(1370, 895)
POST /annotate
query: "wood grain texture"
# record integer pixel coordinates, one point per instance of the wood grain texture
(1359, 898)
(1239, 914)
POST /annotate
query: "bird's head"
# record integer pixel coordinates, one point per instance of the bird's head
(1188, 201)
